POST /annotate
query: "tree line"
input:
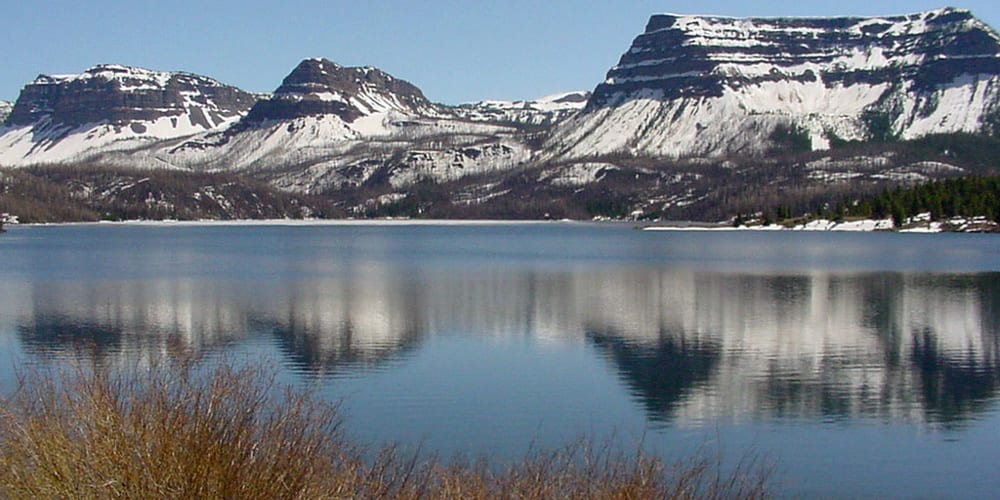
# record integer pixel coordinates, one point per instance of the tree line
(91, 193)
(943, 199)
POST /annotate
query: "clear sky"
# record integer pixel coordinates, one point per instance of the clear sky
(454, 50)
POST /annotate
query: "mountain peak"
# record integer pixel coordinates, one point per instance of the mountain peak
(319, 86)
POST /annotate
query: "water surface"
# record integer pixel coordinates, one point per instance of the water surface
(864, 364)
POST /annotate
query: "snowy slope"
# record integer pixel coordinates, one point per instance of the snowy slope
(322, 152)
(705, 86)
(5, 108)
(325, 127)
(690, 86)
(329, 126)
(542, 111)
(65, 118)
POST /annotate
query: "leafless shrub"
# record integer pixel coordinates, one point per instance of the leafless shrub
(181, 430)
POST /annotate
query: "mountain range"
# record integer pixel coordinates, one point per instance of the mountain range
(702, 117)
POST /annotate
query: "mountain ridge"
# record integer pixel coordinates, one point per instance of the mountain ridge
(697, 105)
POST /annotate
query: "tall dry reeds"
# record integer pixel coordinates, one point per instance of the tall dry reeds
(182, 430)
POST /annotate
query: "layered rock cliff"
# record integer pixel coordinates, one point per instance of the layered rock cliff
(124, 96)
(711, 86)
(62, 117)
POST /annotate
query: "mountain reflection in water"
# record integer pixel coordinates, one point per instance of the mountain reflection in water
(692, 346)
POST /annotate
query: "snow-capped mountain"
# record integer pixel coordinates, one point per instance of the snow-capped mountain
(543, 111)
(319, 87)
(703, 117)
(5, 108)
(59, 118)
(711, 86)
(328, 126)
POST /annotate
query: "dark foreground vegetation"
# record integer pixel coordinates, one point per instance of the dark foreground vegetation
(963, 198)
(188, 431)
(837, 182)
(86, 193)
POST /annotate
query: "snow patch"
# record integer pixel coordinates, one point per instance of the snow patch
(577, 174)
(548, 109)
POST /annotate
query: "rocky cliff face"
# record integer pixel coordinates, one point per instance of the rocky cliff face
(707, 86)
(124, 96)
(319, 87)
(60, 118)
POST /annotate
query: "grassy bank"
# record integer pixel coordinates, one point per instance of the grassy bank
(188, 431)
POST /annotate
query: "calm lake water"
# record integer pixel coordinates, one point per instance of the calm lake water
(865, 365)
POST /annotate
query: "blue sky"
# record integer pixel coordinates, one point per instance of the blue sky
(454, 50)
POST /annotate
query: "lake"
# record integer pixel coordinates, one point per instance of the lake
(863, 364)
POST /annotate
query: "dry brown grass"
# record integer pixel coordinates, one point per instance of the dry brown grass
(183, 431)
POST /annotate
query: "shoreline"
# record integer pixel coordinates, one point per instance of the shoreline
(306, 222)
(819, 225)
(921, 224)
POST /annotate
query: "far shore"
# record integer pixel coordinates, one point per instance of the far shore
(302, 222)
(920, 224)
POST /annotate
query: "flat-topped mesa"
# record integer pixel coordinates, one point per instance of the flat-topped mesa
(701, 56)
(711, 86)
(321, 87)
(122, 95)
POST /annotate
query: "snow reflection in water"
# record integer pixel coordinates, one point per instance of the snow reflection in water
(818, 348)
(691, 346)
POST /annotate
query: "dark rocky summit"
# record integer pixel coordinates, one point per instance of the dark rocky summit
(321, 87)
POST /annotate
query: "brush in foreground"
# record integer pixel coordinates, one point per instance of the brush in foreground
(187, 431)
